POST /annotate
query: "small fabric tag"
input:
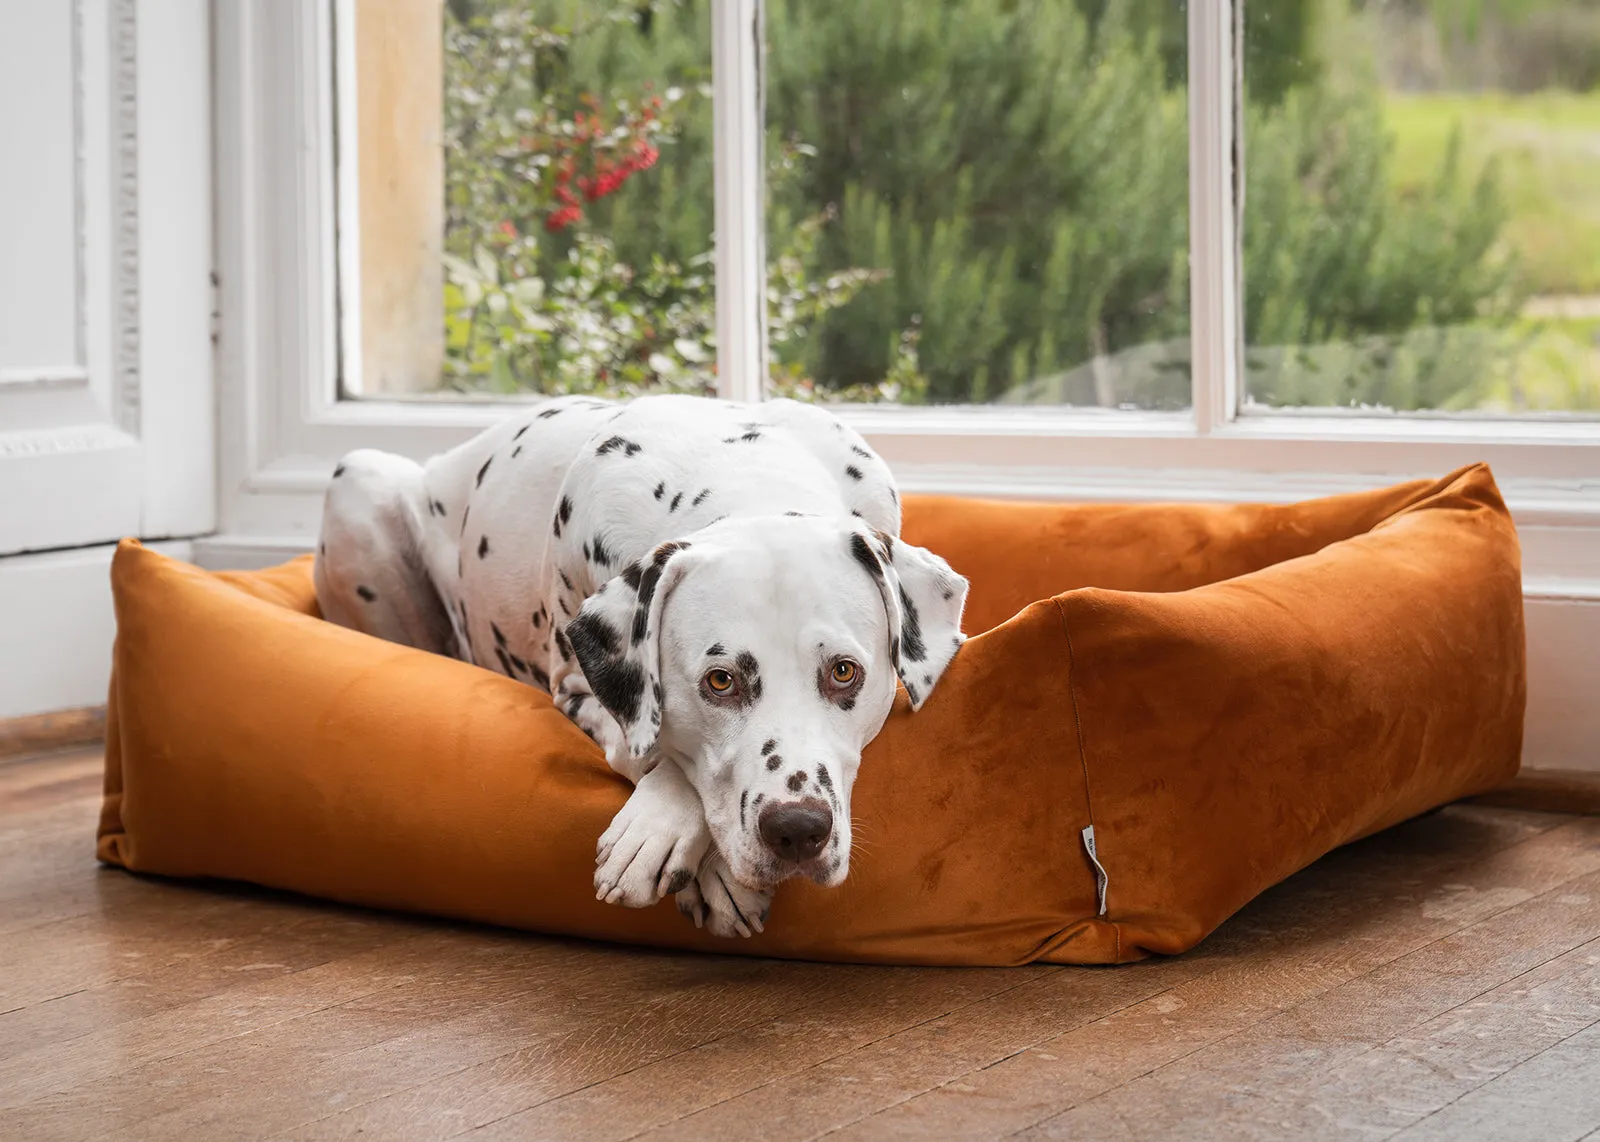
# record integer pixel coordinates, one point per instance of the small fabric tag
(1100, 877)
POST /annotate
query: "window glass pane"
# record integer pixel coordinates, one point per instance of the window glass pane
(1422, 214)
(535, 196)
(979, 201)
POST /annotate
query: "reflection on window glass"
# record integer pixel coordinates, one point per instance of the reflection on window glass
(978, 201)
(1422, 210)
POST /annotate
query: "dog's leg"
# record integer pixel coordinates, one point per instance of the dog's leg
(656, 842)
(369, 570)
(717, 902)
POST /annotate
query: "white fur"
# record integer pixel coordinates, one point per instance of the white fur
(746, 530)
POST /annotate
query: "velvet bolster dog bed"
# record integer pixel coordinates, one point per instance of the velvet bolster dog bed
(1222, 694)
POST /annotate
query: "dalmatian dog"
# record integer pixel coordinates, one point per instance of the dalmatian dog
(716, 593)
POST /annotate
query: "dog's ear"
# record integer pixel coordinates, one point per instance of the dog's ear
(616, 638)
(923, 598)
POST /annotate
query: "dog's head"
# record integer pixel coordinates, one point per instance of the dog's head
(761, 655)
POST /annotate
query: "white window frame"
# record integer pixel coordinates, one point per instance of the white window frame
(283, 423)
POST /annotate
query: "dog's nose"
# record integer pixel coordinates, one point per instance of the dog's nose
(796, 830)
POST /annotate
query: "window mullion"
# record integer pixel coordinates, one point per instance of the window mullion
(739, 176)
(1214, 286)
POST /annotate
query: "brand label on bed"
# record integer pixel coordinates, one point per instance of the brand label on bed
(1100, 877)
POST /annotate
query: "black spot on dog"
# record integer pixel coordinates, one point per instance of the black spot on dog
(794, 513)
(563, 647)
(616, 682)
(564, 610)
(483, 471)
(522, 667)
(540, 677)
(894, 495)
(847, 704)
(797, 781)
(680, 880)
(517, 451)
(565, 581)
(538, 619)
(751, 670)
(716, 649)
(927, 680)
(647, 586)
(744, 801)
(768, 746)
(366, 593)
(546, 414)
(911, 629)
(862, 550)
(628, 447)
(322, 549)
(631, 574)
(505, 661)
(563, 514)
(661, 489)
(655, 691)
(857, 514)
(483, 546)
(860, 451)
(466, 513)
(520, 431)
(499, 635)
(823, 779)
(666, 551)
(338, 471)
(751, 434)
(599, 553)
(700, 498)
(676, 500)
(756, 804)
(774, 762)
(947, 595)
(853, 472)
(574, 704)
(718, 520)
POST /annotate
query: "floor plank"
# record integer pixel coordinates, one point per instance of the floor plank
(1441, 980)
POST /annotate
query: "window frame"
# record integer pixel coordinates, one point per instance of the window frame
(283, 423)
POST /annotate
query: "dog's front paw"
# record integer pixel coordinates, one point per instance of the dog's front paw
(653, 845)
(717, 902)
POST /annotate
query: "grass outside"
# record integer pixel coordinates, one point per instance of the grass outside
(1547, 150)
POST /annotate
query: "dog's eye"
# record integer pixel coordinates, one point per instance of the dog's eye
(844, 672)
(719, 681)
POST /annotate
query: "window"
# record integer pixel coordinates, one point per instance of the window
(533, 198)
(1422, 206)
(1008, 290)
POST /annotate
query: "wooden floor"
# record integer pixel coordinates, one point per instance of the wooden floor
(1439, 981)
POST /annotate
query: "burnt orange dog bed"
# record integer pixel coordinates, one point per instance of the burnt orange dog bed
(1170, 709)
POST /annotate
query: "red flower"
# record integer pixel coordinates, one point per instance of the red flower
(562, 218)
(508, 229)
